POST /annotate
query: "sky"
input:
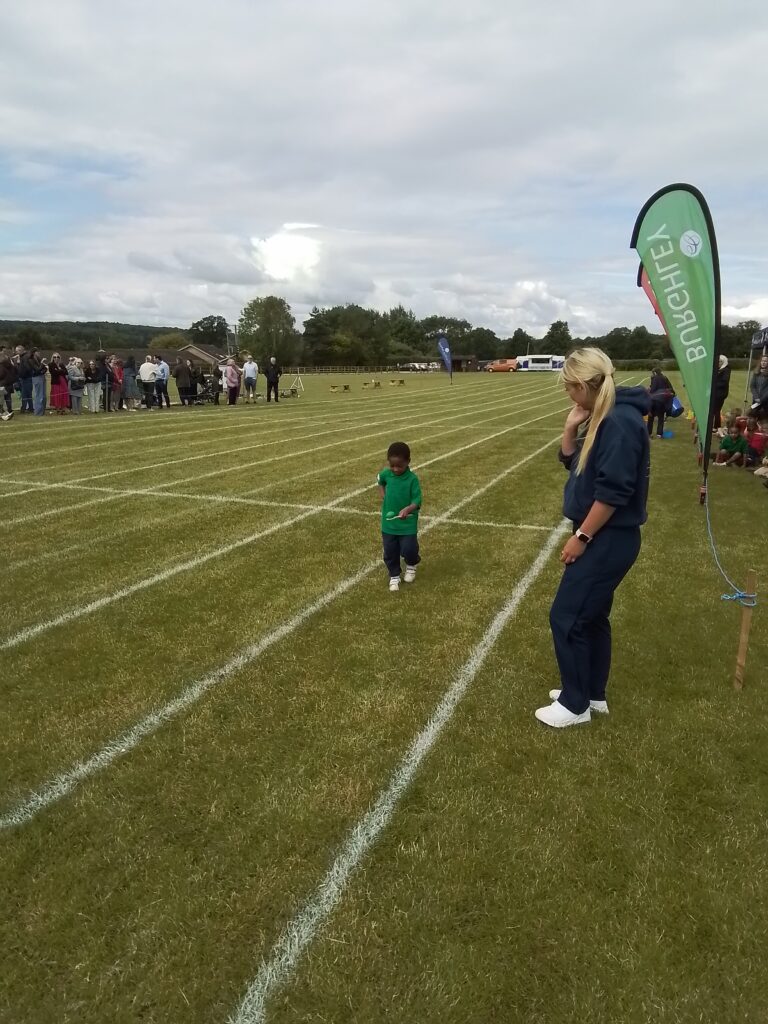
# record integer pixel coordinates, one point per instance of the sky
(163, 161)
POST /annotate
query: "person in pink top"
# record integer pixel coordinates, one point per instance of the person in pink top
(232, 378)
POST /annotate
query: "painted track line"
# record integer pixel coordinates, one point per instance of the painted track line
(159, 489)
(304, 926)
(246, 420)
(157, 466)
(63, 784)
(29, 632)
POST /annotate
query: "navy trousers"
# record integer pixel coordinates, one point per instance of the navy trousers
(397, 547)
(579, 617)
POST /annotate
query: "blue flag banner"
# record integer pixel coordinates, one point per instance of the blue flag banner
(445, 353)
(760, 339)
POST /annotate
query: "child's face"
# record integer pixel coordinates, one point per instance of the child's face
(733, 432)
(397, 464)
(751, 424)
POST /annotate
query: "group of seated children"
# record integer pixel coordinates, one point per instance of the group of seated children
(744, 442)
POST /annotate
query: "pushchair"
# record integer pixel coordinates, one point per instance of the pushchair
(207, 392)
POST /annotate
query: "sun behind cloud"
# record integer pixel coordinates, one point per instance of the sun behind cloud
(287, 255)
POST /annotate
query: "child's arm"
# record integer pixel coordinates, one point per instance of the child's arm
(415, 500)
(405, 512)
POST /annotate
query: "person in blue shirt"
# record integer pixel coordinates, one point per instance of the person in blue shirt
(605, 499)
(162, 373)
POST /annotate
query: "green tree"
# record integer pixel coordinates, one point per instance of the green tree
(481, 342)
(168, 339)
(406, 338)
(557, 341)
(266, 328)
(212, 331)
(521, 343)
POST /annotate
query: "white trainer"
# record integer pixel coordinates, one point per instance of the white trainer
(394, 584)
(601, 706)
(560, 717)
(410, 573)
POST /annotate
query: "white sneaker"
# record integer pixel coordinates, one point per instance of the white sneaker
(6, 416)
(410, 573)
(600, 706)
(560, 717)
(394, 584)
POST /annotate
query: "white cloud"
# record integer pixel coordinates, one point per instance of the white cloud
(168, 161)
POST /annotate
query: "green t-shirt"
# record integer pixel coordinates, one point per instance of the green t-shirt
(731, 447)
(399, 492)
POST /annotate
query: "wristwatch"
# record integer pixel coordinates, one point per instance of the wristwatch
(583, 537)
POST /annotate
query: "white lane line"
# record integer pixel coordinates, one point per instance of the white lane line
(159, 488)
(274, 433)
(63, 784)
(351, 407)
(29, 632)
(157, 466)
(304, 926)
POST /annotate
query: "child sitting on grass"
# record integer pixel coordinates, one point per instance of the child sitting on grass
(400, 495)
(733, 448)
(756, 442)
(735, 418)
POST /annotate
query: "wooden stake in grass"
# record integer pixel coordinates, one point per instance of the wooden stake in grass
(746, 625)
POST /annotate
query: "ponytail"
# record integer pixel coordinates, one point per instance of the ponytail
(591, 368)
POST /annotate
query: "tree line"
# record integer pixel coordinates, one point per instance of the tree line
(351, 335)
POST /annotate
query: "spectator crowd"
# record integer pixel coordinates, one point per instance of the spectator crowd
(109, 384)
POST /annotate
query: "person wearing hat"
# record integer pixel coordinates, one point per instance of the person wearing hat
(722, 387)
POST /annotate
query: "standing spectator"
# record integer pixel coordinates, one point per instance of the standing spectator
(92, 386)
(24, 369)
(104, 377)
(39, 370)
(9, 374)
(232, 377)
(273, 375)
(76, 381)
(605, 499)
(250, 376)
(162, 374)
(216, 383)
(59, 385)
(183, 380)
(130, 389)
(759, 388)
(117, 384)
(661, 394)
(195, 378)
(147, 374)
(722, 387)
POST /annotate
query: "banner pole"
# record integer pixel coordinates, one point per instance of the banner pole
(746, 625)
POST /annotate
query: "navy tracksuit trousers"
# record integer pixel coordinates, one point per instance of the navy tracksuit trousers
(397, 546)
(581, 628)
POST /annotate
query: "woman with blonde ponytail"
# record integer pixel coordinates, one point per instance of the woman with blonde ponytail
(605, 499)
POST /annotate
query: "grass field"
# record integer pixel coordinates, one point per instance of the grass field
(242, 781)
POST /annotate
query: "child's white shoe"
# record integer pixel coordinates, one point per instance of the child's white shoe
(394, 584)
(410, 573)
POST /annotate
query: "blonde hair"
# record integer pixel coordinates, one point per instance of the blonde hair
(591, 368)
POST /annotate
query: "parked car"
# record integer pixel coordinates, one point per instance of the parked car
(502, 366)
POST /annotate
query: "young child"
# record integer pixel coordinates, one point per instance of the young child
(756, 442)
(733, 448)
(400, 495)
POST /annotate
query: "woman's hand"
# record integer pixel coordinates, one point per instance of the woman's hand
(576, 417)
(573, 550)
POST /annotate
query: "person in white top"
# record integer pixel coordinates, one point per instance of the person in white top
(250, 376)
(147, 375)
